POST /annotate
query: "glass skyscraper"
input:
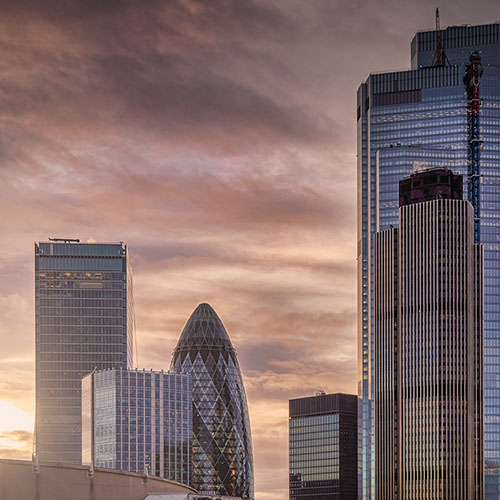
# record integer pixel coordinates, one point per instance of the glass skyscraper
(137, 420)
(83, 321)
(428, 317)
(222, 444)
(415, 118)
(322, 432)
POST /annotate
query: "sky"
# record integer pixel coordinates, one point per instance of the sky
(217, 139)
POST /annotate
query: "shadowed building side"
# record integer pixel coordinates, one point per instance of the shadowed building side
(323, 447)
(428, 283)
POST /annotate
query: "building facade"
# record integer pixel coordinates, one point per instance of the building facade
(428, 317)
(138, 420)
(83, 321)
(222, 443)
(322, 432)
(413, 118)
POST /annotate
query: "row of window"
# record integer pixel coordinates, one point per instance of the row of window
(78, 347)
(55, 370)
(81, 339)
(80, 311)
(87, 294)
(98, 357)
(78, 320)
(46, 263)
(80, 329)
(94, 285)
(87, 275)
(75, 302)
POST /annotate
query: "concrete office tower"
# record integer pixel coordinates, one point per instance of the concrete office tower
(222, 444)
(419, 117)
(428, 322)
(137, 420)
(322, 432)
(83, 321)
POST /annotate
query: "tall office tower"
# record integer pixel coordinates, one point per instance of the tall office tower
(322, 432)
(136, 420)
(428, 329)
(222, 444)
(420, 117)
(83, 321)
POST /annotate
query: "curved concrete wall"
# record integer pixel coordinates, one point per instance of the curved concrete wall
(71, 482)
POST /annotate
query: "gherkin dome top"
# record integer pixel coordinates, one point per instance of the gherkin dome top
(204, 328)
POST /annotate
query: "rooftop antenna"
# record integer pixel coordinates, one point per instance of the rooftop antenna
(440, 55)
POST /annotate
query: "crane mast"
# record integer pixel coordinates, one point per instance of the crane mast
(472, 80)
(440, 56)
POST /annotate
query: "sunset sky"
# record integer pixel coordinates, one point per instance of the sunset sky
(217, 139)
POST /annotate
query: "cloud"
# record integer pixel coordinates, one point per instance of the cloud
(18, 436)
(16, 444)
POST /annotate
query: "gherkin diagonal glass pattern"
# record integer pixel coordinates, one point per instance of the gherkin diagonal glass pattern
(222, 445)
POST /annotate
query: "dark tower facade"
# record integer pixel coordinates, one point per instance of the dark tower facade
(323, 447)
(428, 283)
(222, 443)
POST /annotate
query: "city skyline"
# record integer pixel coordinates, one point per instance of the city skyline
(235, 188)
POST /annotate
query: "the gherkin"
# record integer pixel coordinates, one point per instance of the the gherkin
(222, 443)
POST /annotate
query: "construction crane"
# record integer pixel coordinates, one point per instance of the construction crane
(440, 56)
(472, 80)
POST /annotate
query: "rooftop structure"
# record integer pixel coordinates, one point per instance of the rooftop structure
(430, 184)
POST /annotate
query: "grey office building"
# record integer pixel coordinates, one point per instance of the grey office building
(428, 316)
(419, 117)
(83, 321)
(322, 447)
(138, 420)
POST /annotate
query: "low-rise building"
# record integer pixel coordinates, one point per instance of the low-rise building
(138, 420)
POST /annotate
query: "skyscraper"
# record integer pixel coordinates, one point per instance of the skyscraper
(322, 432)
(428, 329)
(419, 118)
(83, 321)
(137, 419)
(222, 444)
